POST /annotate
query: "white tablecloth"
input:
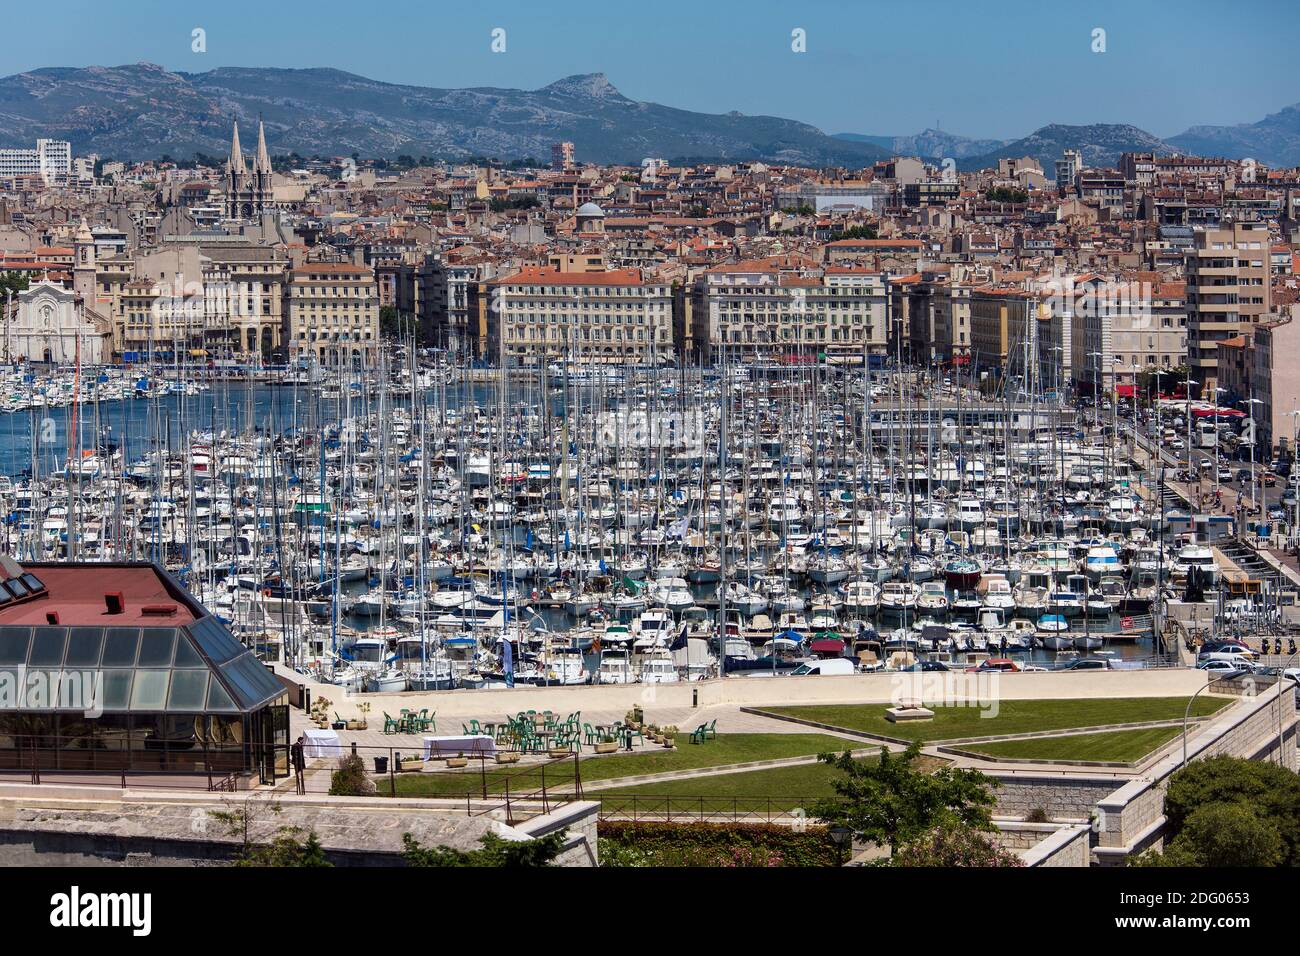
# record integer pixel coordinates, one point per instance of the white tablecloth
(450, 746)
(321, 743)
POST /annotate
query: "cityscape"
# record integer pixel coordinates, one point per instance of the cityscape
(501, 474)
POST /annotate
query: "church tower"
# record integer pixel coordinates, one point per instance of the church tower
(248, 195)
(83, 270)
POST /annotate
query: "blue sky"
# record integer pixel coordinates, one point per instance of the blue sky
(977, 68)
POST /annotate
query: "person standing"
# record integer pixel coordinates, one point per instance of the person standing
(299, 761)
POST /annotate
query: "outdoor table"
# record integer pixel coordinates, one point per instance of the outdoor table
(460, 744)
(321, 743)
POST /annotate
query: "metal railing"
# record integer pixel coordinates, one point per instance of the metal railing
(645, 808)
(75, 761)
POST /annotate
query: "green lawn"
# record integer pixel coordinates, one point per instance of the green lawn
(1010, 716)
(1121, 746)
(777, 788)
(726, 749)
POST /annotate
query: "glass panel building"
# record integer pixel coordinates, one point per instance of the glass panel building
(115, 668)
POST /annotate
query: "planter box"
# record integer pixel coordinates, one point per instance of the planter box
(454, 762)
(507, 756)
(411, 765)
(607, 748)
(357, 725)
(559, 752)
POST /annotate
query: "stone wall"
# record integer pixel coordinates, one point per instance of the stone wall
(1131, 819)
(1068, 846)
(1063, 796)
(579, 819)
(763, 692)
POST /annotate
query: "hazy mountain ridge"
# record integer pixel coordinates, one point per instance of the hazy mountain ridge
(144, 111)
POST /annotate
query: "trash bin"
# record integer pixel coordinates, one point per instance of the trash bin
(381, 765)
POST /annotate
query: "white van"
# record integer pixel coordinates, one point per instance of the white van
(831, 665)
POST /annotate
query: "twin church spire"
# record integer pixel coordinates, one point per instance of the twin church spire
(248, 195)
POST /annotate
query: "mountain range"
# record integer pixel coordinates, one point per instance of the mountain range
(143, 111)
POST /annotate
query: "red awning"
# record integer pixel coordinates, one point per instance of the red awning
(1125, 391)
(827, 646)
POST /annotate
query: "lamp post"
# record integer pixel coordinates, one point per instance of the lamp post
(840, 836)
(1188, 713)
(1254, 480)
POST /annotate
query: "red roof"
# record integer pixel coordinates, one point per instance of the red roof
(76, 593)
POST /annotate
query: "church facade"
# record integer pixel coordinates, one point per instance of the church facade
(52, 325)
(249, 193)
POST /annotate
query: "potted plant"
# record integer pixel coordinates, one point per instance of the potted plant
(507, 756)
(409, 764)
(362, 722)
(460, 760)
(607, 745)
(669, 736)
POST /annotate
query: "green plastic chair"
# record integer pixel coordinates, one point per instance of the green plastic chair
(391, 725)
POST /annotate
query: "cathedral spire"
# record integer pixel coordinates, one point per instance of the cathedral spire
(262, 164)
(236, 154)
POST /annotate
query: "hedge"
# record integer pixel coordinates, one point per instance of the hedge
(625, 843)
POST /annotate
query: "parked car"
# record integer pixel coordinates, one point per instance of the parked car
(1219, 666)
(831, 665)
(1270, 479)
(1004, 665)
(1089, 664)
(927, 666)
(1224, 651)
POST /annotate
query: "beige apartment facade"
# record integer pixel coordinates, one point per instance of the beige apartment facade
(756, 311)
(541, 315)
(332, 313)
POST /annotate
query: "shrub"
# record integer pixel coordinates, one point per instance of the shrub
(624, 843)
(496, 851)
(954, 845)
(350, 779)
(1037, 815)
(1221, 834)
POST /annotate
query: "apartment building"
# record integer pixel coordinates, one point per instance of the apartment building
(51, 160)
(950, 304)
(761, 309)
(1003, 333)
(539, 315)
(1227, 291)
(332, 313)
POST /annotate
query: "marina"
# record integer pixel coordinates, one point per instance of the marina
(427, 525)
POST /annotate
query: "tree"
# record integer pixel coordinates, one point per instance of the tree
(1268, 792)
(954, 845)
(1222, 834)
(496, 851)
(890, 802)
(1005, 194)
(14, 282)
(287, 848)
(864, 231)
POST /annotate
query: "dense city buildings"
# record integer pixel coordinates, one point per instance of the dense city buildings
(1084, 280)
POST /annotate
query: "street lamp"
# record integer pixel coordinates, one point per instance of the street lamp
(1188, 713)
(840, 836)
